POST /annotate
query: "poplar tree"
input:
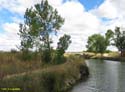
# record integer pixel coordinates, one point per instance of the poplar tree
(39, 22)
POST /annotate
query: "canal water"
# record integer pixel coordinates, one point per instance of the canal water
(105, 76)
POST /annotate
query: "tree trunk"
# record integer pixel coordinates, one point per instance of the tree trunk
(101, 55)
(122, 53)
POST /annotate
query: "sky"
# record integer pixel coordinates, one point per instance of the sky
(82, 19)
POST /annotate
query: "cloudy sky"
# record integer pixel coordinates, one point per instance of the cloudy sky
(82, 19)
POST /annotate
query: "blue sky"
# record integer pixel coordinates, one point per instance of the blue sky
(82, 19)
(90, 4)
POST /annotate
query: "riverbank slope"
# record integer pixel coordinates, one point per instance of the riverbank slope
(106, 56)
(56, 78)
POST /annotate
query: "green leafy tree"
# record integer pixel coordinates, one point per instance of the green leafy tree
(63, 45)
(108, 37)
(39, 22)
(119, 39)
(26, 42)
(99, 43)
(96, 43)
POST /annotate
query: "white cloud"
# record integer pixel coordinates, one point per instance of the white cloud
(78, 23)
(9, 39)
(111, 9)
(107, 10)
(120, 5)
(11, 28)
(17, 6)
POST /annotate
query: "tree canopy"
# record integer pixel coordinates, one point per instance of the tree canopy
(108, 37)
(96, 43)
(39, 22)
(63, 44)
(119, 39)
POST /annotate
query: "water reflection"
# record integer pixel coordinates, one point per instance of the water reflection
(105, 76)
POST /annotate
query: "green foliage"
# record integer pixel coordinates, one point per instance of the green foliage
(26, 41)
(13, 51)
(52, 81)
(63, 45)
(108, 36)
(119, 39)
(39, 22)
(48, 78)
(108, 51)
(46, 55)
(25, 55)
(96, 43)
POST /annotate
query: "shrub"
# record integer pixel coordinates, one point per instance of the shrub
(13, 51)
(46, 56)
(63, 45)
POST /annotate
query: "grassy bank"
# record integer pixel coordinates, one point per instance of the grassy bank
(53, 78)
(106, 56)
(10, 63)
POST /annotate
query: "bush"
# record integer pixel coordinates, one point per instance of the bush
(52, 82)
(29, 56)
(46, 56)
(13, 51)
(59, 59)
(63, 45)
(108, 51)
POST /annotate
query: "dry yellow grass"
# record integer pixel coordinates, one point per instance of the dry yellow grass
(109, 56)
(56, 78)
(11, 64)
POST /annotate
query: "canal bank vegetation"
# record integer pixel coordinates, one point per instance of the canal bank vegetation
(107, 55)
(98, 43)
(55, 78)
